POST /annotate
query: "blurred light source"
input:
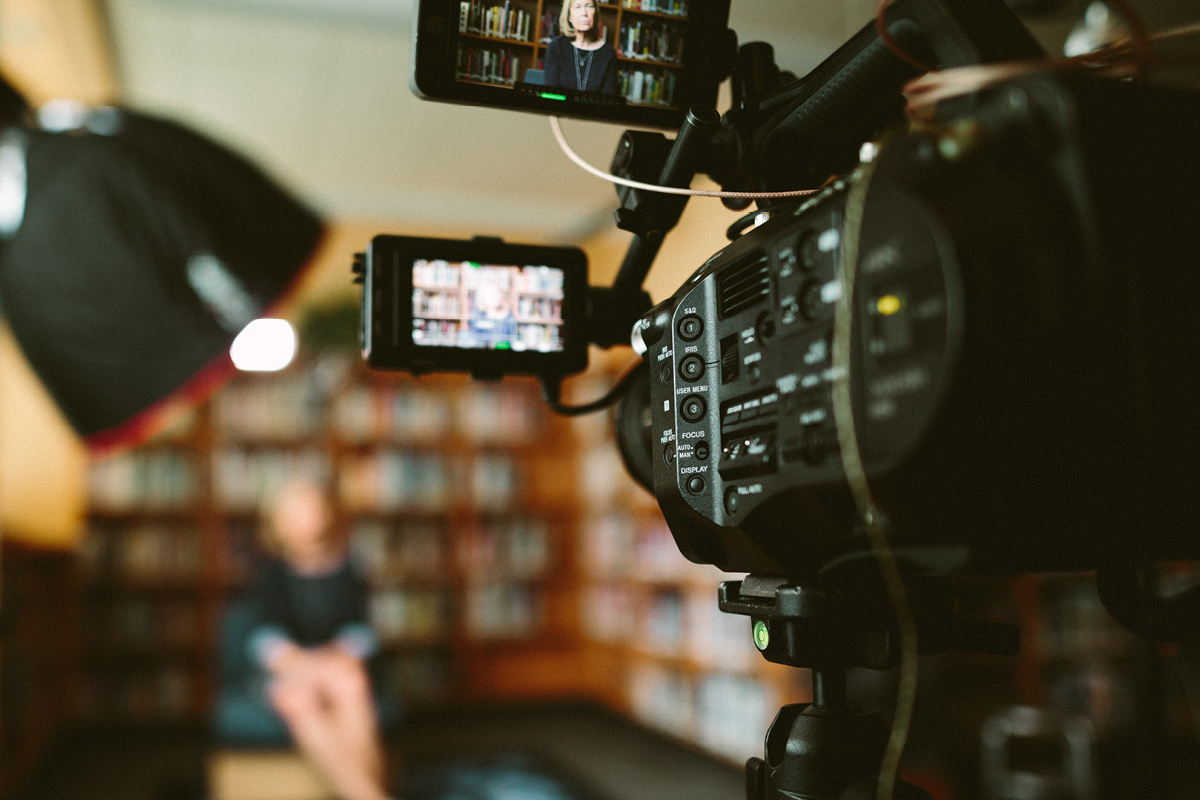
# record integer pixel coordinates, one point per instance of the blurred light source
(265, 345)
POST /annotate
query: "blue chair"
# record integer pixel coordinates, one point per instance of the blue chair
(242, 715)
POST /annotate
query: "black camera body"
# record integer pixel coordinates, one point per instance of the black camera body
(1024, 358)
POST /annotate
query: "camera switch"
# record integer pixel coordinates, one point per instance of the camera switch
(669, 454)
(691, 368)
(690, 328)
(695, 484)
(702, 450)
(692, 408)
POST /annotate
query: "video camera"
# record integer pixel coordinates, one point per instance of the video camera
(985, 317)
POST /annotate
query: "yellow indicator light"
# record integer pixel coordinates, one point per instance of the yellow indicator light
(888, 304)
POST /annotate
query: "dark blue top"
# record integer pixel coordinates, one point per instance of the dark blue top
(564, 67)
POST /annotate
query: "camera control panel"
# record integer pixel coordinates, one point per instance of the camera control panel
(742, 369)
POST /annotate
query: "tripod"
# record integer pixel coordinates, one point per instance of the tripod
(827, 749)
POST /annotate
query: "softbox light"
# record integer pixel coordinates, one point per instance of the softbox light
(136, 250)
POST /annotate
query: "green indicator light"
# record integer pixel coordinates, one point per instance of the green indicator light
(502, 345)
(762, 637)
(550, 96)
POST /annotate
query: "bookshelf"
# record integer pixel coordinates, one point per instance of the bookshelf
(436, 484)
(676, 663)
(499, 42)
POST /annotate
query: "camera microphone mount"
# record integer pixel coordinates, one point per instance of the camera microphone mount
(828, 749)
(648, 215)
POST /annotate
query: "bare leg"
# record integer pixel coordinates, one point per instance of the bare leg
(346, 694)
(350, 773)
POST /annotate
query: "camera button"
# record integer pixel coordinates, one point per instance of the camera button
(691, 368)
(702, 450)
(669, 454)
(692, 408)
(695, 484)
(731, 500)
(690, 328)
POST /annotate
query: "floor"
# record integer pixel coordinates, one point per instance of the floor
(594, 754)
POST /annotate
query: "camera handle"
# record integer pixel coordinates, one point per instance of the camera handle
(649, 157)
(828, 749)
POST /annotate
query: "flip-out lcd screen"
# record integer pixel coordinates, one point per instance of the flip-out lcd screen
(473, 306)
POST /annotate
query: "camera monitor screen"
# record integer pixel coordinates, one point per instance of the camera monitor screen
(476, 306)
(641, 61)
(481, 306)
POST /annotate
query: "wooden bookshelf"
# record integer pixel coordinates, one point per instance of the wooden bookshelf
(467, 559)
(641, 78)
(650, 616)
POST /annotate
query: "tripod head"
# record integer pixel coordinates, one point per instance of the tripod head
(827, 748)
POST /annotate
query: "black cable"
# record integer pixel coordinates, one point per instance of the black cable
(552, 391)
(738, 228)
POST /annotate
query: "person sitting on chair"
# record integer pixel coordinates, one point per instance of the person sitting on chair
(309, 639)
(580, 59)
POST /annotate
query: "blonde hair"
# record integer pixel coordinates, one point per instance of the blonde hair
(270, 539)
(565, 27)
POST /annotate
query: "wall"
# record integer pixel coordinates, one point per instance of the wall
(48, 49)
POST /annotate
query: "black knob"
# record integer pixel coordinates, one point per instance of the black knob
(691, 368)
(693, 407)
(690, 328)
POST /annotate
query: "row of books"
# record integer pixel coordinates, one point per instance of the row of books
(503, 413)
(162, 479)
(505, 22)
(439, 303)
(726, 714)
(653, 40)
(410, 614)
(394, 480)
(164, 693)
(506, 332)
(245, 479)
(669, 623)
(621, 546)
(140, 623)
(366, 413)
(488, 65)
(147, 552)
(441, 274)
(395, 550)
(512, 549)
(283, 406)
(502, 611)
(678, 8)
(646, 87)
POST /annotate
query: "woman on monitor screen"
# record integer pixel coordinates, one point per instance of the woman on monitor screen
(580, 59)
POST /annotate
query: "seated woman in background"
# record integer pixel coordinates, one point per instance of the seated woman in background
(579, 58)
(309, 637)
